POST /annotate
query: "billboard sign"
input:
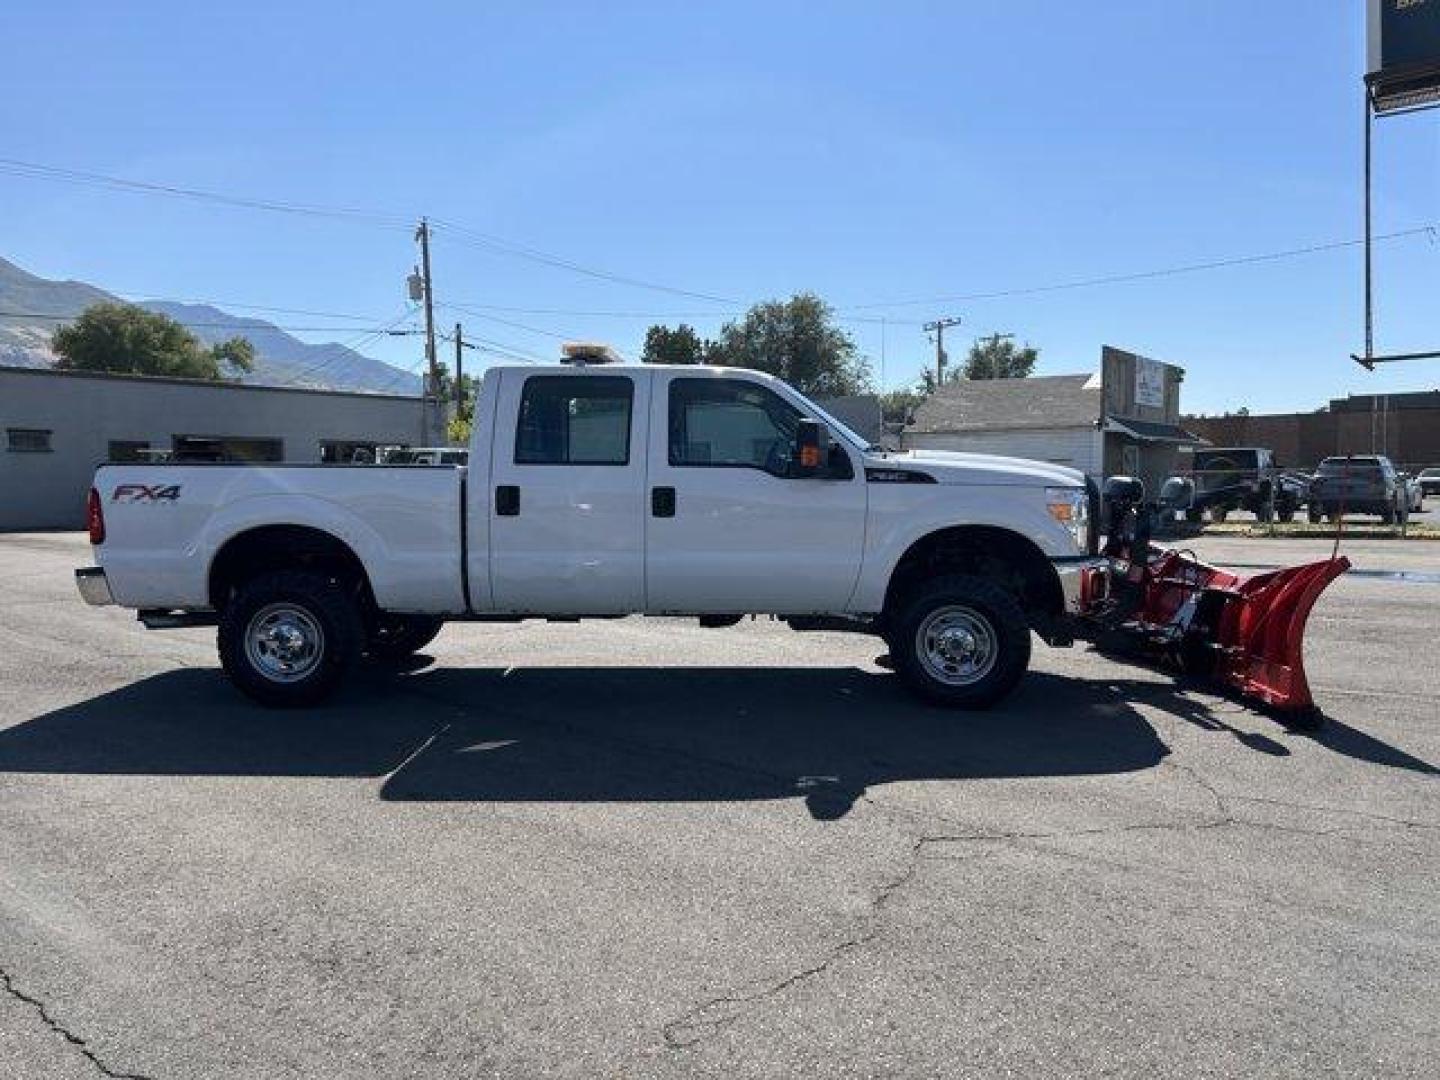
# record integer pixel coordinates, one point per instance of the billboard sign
(1149, 382)
(1404, 57)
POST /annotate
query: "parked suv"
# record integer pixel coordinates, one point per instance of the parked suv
(1359, 484)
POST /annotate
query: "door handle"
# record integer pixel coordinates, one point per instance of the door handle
(662, 501)
(507, 501)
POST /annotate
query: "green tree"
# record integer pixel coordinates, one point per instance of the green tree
(681, 345)
(999, 358)
(797, 341)
(128, 340)
(896, 406)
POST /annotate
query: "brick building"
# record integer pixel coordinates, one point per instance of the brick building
(1404, 427)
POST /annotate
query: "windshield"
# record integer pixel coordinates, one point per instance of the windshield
(1345, 467)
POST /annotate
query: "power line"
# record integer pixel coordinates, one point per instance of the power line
(662, 316)
(197, 325)
(34, 171)
(561, 336)
(1145, 275)
(493, 243)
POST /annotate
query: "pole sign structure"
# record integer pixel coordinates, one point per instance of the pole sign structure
(1404, 62)
(1402, 75)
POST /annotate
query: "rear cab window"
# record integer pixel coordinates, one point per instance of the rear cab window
(574, 420)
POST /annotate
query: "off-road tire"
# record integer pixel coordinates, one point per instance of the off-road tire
(325, 600)
(981, 598)
(395, 638)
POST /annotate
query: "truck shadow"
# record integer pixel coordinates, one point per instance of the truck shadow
(823, 735)
(612, 734)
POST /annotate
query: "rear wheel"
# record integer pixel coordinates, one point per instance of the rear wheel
(961, 641)
(286, 638)
(1286, 513)
(1218, 514)
(1194, 516)
(395, 637)
(1315, 514)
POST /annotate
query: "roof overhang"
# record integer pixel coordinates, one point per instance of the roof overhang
(1151, 431)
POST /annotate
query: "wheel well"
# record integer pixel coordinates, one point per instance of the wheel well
(1000, 555)
(284, 547)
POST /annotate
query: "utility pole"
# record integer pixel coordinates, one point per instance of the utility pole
(422, 234)
(459, 372)
(938, 329)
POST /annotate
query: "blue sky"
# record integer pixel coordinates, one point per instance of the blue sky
(873, 153)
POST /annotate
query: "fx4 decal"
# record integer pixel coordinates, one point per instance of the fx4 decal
(138, 493)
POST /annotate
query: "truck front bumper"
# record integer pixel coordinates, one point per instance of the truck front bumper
(94, 586)
(1083, 581)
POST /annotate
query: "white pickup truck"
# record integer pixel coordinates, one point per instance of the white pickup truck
(601, 490)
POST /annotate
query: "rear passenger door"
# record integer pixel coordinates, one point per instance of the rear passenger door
(567, 491)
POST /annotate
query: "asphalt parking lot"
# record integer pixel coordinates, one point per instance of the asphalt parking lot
(645, 849)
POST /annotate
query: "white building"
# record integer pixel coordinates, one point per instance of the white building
(57, 426)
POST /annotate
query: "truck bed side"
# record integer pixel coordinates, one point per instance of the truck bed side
(165, 524)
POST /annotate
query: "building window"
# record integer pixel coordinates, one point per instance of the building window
(28, 440)
(574, 420)
(129, 450)
(347, 452)
(228, 448)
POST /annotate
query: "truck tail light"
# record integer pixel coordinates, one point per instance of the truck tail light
(95, 517)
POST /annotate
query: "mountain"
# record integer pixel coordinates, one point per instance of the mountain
(281, 360)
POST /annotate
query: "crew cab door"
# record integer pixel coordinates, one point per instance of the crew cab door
(567, 492)
(727, 530)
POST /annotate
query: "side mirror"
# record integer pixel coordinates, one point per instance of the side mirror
(809, 434)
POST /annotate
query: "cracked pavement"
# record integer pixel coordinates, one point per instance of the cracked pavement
(644, 849)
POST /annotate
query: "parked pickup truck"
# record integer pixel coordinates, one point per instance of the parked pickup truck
(1359, 484)
(604, 490)
(1244, 478)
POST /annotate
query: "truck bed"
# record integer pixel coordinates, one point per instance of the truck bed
(166, 523)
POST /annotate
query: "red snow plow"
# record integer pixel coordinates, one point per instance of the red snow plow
(1244, 632)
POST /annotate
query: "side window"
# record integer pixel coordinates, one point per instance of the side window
(730, 422)
(574, 420)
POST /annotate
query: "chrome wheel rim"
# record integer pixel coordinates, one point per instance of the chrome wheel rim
(956, 645)
(284, 643)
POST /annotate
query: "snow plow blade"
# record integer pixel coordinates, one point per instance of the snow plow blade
(1262, 633)
(1245, 632)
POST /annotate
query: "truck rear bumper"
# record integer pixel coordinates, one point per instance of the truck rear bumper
(94, 586)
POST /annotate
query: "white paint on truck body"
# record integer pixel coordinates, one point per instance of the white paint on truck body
(586, 539)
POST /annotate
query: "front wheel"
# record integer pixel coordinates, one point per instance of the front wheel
(1218, 514)
(286, 638)
(961, 641)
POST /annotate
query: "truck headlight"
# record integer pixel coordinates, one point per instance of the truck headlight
(1071, 508)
